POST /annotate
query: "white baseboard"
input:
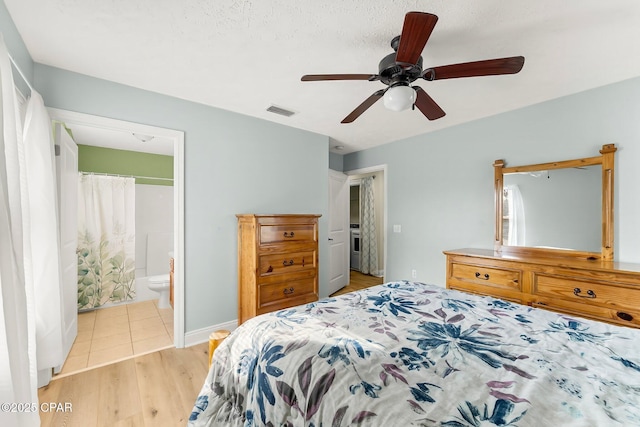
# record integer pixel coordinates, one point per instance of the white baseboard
(202, 335)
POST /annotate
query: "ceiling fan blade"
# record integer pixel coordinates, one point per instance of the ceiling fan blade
(427, 105)
(489, 67)
(364, 106)
(415, 32)
(322, 77)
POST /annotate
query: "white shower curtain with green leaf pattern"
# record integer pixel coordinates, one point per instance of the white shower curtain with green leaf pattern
(106, 240)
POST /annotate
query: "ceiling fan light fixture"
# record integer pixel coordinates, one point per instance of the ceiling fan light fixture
(399, 98)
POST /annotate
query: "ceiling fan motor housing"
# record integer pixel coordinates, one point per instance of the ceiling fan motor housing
(392, 73)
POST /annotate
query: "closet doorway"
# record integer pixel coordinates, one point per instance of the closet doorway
(368, 220)
(93, 132)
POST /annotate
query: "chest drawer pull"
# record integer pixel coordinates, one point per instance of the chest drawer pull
(590, 293)
(288, 291)
(483, 277)
(624, 316)
(287, 234)
(287, 263)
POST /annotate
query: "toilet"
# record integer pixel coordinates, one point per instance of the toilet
(160, 284)
(158, 265)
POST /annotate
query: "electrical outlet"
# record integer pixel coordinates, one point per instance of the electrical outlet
(414, 274)
(397, 228)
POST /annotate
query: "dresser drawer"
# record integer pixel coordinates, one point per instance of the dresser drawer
(479, 290)
(282, 233)
(490, 276)
(283, 263)
(586, 291)
(621, 317)
(275, 293)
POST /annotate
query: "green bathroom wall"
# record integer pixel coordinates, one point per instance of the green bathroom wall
(128, 163)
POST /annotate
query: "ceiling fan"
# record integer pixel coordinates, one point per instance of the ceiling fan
(400, 69)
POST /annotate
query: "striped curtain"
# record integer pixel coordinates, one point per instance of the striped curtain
(368, 240)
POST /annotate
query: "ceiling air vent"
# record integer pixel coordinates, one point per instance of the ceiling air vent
(280, 110)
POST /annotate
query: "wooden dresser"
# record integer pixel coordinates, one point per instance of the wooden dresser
(277, 262)
(602, 290)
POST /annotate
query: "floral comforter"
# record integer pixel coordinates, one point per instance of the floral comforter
(410, 354)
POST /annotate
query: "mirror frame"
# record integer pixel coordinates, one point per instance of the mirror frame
(606, 160)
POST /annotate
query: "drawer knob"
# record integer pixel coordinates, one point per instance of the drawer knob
(624, 316)
(289, 235)
(287, 263)
(578, 292)
(288, 291)
(481, 276)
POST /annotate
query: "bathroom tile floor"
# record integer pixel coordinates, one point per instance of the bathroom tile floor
(115, 333)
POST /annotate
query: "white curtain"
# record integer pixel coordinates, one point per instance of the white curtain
(368, 239)
(106, 240)
(516, 230)
(18, 365)
(43, 230)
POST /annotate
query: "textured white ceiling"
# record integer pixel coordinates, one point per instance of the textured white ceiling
(244, 55)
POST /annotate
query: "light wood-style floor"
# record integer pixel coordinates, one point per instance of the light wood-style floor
(358, 281)
(156, 389)
(109, 334)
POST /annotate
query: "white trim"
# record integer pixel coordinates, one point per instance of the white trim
(202, 335)
(177, 136)
(372, 169)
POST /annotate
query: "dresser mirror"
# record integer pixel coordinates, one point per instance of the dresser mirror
(562, 208)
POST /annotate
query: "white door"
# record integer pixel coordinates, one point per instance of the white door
(67, 184)
(338, 231)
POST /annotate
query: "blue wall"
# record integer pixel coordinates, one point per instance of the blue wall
(17, 48)
(440, 185)
(336, 161)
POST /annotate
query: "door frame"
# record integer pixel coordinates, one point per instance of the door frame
(177, 136)
(384, 169)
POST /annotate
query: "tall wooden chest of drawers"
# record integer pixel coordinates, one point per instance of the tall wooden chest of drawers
(277, 262)
(602, 290)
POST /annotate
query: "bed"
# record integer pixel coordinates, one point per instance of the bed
(412, 354)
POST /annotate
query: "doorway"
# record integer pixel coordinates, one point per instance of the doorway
(98, 126)
(355, 177)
